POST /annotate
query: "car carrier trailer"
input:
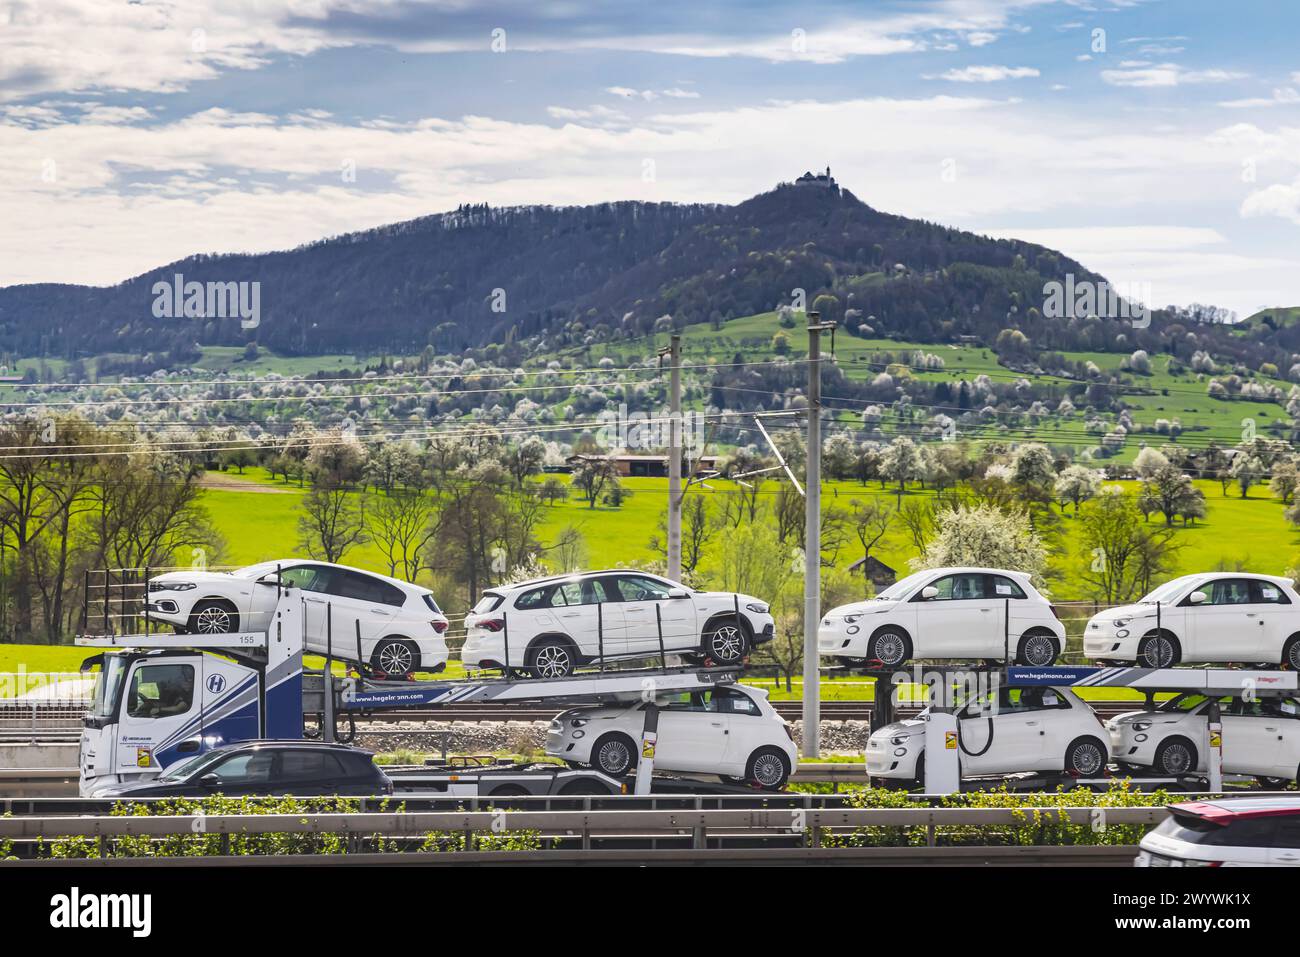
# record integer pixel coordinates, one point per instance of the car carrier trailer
(942, 761)
(161, 698)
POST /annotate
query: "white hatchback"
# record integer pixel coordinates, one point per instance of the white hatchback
(1000, 732)
(957, 613)
(551, 626)
(1216, 616)
(731, 731)
(1260, 737)
(398, 626)
(1232, 832)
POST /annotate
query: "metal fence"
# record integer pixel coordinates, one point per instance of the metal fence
(44, 706)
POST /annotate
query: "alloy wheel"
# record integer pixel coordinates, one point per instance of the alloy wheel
(1039, 650)
(552, 661)
(727, 643)
(212, 620)
(768, 770)
(395, 658)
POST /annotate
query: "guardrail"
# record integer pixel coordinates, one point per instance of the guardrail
(578, 829)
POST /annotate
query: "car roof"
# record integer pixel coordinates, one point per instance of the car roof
(1227, 810)
(294, 562)
(280, 744)
(977, 569)
(570, 576)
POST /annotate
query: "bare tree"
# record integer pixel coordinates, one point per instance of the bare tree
(333, 520)
(401, 523)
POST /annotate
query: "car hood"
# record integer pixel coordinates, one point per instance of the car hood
(592, 714)
(198, 577)
(868, 607)
(905, 728)
(139, 789)
(1125, 611)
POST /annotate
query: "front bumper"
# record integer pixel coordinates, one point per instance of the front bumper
(886, 760)
(841, 639)
(1104, 640)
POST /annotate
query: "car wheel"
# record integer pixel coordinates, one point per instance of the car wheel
(214, 617)
(614, 754)
(890, 646)
(769, 768)
(1272, 784)
(1038, 649)
(551, 658)
(724, 642)
(583, 786)
(1159, 650)
(1291, 654)
(395, 658)
(1175, 757)
(1086, 758)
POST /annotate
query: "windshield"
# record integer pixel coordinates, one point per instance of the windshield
(1166, 592)
(902, 586)
(108, 686)
(1186, 702)
(258, 570)
(183, 769)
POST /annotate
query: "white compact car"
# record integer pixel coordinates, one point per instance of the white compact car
(1260, 737)
(729, 730)
(960, 613)
(1219, 616)
(401, 626)
(999, 732)
(1231, 832)
(554, 625)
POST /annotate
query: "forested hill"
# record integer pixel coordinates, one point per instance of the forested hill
(549, 276)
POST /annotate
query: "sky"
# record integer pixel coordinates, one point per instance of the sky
(1156, 141)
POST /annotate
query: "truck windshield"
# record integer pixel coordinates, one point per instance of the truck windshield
(108, 686)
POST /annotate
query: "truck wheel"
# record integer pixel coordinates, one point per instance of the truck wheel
(1158, 650)
(615, 754)
(768, 768)
(214, 617)
(583, 786)
(724, 642)
(395, 658)
(1038, 649)
(1086, 757)
(1175, 757)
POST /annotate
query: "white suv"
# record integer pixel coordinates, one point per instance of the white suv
(1000, 732)
(400, 625)
(1260, 737)
(730, 731)
(1226, 832)
(1219, 616)
(554, 625)
(961, 613)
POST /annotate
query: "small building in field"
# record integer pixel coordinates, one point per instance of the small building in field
(649, 466)
(877, 572)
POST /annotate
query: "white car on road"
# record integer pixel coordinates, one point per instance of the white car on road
(1214, 616)
(1006, 731)
(401, 626)
(1231, 832)
(554, 625)
(730, 730)
(1260, 737)
(961, 613)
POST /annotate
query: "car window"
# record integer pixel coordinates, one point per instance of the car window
(308, 766)
(1266, 593)
(1281, 707)
(686, 701)
(1288, 832)
(640, 588)
(306, 577)
(1227, 591)
(570, 593)
(537, 598)
(1003, 587)
(959, 587)
(250, 767)
(354, 585)
(730, 701)
(160, 691)
(1246, 832)
(1186, 702)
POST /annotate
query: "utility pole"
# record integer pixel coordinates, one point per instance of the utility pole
(812, 576)
(674, 353)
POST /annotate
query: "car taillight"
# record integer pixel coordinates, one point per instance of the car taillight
(439, 626)
(1056, 614)
(788, 730)
(492, 624)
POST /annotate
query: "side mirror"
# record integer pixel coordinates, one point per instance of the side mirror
(928, 592)
(678, 593)
(271, 580)
(1197, 597)
(210, 780)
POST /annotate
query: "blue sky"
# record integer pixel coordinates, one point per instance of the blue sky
(1157, 141)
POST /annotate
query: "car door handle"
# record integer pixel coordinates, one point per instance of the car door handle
(378, 611)
(570, 614)
(716, 724)
(986, 609)
(1032, 724)
(1270, 729)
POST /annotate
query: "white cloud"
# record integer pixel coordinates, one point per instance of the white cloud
(1282, 95)
(981, 38)
(1166, 75)
(1279, 199)
(985, 74)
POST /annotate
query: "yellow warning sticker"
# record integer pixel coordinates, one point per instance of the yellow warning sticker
(143, 757)
(1216, 739)
(648, 750)
(950, 740)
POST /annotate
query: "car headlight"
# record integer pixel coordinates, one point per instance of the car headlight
(900, 739)
(850, 619)
(1140, 725)
(1120, 622)
(757, 607)
(578, 722)
(171, 586)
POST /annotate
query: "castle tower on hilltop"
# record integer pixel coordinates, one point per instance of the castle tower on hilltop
(821, 180)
